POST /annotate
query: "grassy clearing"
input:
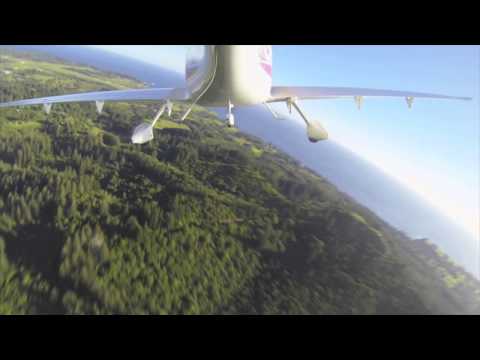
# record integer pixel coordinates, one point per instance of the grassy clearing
(44, 71)
(257, 152)
(24, 125)
(168, 124)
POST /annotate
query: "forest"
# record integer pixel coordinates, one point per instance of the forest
(202, 220)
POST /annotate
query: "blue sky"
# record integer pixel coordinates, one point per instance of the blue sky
(432, 148)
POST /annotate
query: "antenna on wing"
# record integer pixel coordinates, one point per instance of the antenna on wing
(99, 106)
(169, 106)
(359, 101)
(47, 107)
(409, 100)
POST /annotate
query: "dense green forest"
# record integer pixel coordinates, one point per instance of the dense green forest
(202, 220)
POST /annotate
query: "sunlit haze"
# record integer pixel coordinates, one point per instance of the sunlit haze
(432, 148)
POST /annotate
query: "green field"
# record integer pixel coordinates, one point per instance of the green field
(168, 124)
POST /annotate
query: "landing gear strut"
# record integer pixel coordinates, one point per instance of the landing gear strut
(230, 118)
(315, 131)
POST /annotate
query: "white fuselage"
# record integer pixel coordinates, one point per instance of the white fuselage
(235, 74)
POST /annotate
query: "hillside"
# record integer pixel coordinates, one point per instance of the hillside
(202, 220)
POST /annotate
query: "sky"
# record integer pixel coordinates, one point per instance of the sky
(433, 148)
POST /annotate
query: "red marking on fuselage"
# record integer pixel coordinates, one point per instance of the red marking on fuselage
(267, 68)
(265, 55)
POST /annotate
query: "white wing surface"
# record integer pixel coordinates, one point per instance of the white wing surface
(149, 94)
(283, 93)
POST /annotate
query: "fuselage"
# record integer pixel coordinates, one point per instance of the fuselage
(235, 74)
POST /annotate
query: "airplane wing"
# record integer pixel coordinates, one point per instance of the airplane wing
(284, 93)
(148, 94)
(315, 131)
